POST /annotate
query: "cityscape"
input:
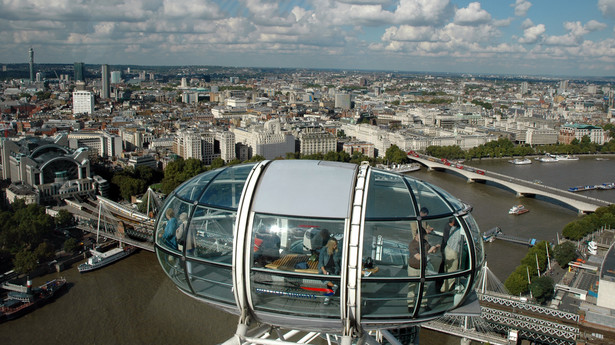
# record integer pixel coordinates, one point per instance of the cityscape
(404, 172)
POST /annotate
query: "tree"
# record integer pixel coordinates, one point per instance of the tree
(179, 171)
(564, 253)
(64, 219)
(396, 155)
(217, 163)
(516, 283)
(542, 288)
(45, 252)
(71, 245)
(25, 261)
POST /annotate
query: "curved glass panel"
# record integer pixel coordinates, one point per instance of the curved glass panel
(173, 218)
(211, 281)
(385, 255)
(388, 197)
(192, 189)
(173, 267)
(478, 240)
(427, 198)
(210, 235)
(457, 204)
(296, 264)
(225, 190)
(435, 302)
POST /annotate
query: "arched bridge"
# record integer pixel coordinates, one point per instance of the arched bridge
(521, 187)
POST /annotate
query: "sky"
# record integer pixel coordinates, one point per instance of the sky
(520, 37)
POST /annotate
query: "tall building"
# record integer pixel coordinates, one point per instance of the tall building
(116, 77)
(79, 71)
(31, 52)
(342, 100)
(105, 92)
(83, 102)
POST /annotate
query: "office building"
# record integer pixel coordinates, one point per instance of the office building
(316, 141)
(105, 92)
(83, 102)
(31, 53)
(79, 71)
(100, 143)
(116, 77)
(342, 100)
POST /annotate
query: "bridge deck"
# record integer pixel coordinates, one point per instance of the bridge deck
(581, 203)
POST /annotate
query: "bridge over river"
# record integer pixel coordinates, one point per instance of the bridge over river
(582, 204)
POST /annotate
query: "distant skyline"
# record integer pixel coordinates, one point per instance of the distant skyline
(547, 37)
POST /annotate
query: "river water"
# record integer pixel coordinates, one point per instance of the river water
(133, 302)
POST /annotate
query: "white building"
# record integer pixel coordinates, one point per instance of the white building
(227, 145)
(312, 142)
(116, 77)
(83, 102)
(101, 143)
(268, 141)
(190, 144)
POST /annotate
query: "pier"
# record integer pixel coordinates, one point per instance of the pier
(496, 233)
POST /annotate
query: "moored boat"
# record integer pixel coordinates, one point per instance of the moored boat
(547, 159)
(581, 188)
(518, 161)
(518, 209)
(403, 168)
(566, 158)
(19, 303)
(102, 259)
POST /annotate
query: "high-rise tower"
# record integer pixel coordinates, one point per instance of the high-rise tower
(31, 51)
(105, 92)
(79, 71)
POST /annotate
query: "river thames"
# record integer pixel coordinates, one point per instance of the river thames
(133, 302)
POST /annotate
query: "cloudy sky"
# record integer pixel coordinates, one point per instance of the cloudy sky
(538, 37)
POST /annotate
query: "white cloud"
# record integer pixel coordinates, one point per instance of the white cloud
(533, 34)
(472, 15)
(521, 7)
(575, 34)
(423, 12)
(607, 7)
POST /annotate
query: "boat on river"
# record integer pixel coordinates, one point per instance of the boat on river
(19, 303)
(566, 158)
(518, 161)
(102, 259)
(403, 168)
(518, 209)
(547, 159)
(581, 188)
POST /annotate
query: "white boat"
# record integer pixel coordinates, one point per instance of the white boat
(101, 259)
(547, 159)
(518, 209)
(518, 161)
(403, 168)
(566, 158)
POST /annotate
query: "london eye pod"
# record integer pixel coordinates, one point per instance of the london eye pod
(317, 245)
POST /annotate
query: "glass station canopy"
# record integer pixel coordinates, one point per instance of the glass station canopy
(316, 245)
